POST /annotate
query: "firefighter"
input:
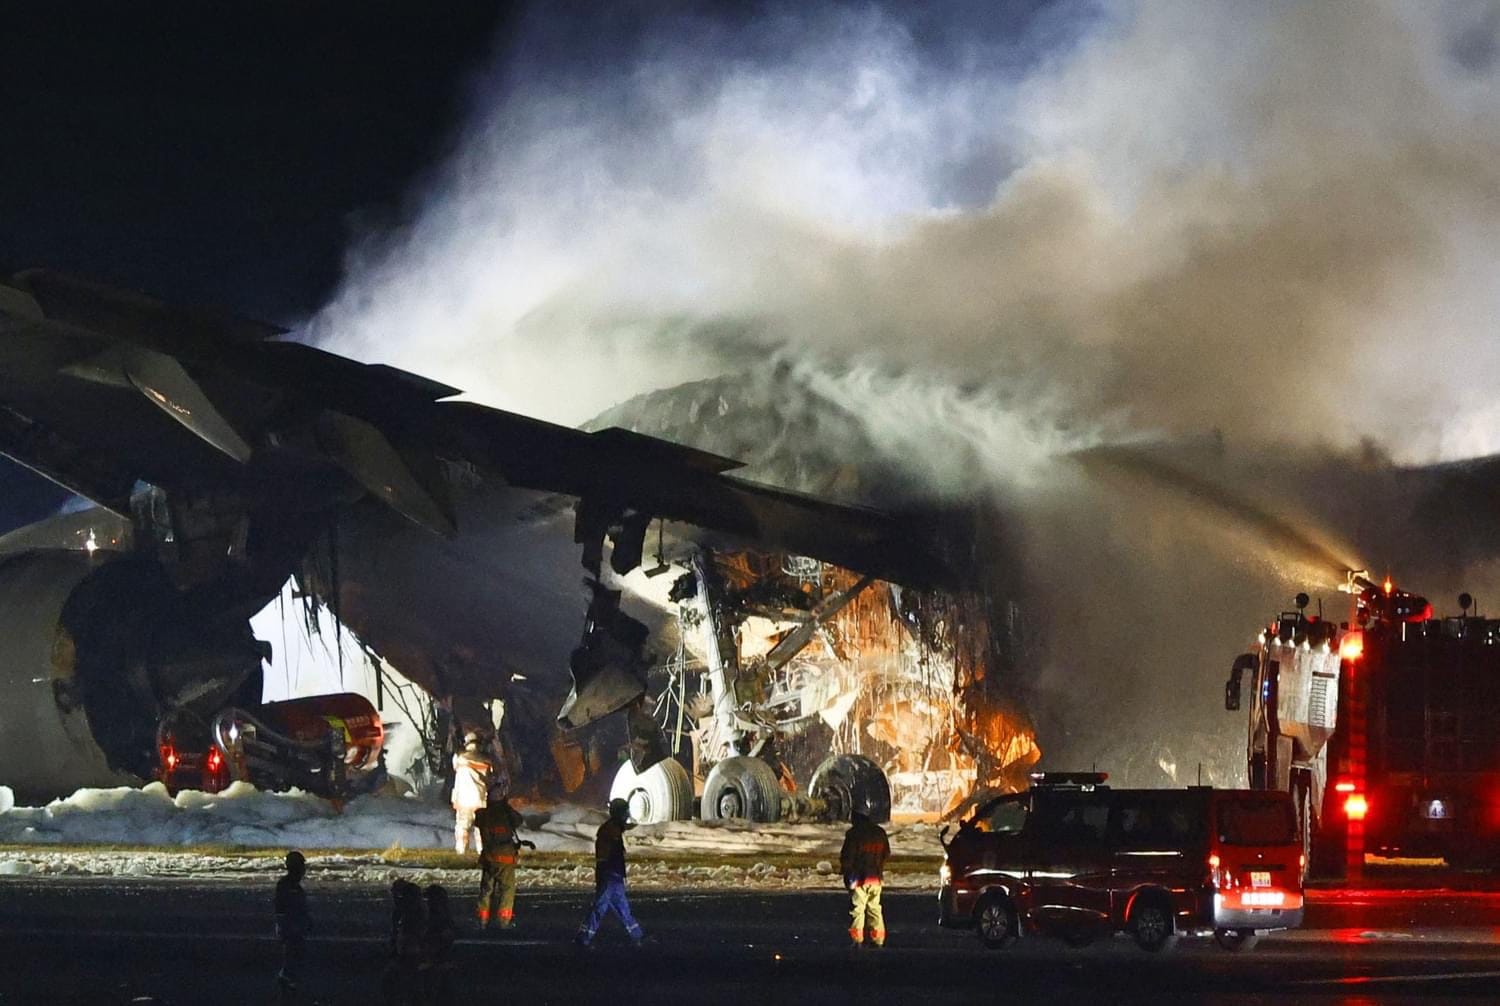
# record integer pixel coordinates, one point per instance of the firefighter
(471, 780)
(498, 844)
(862, 860)
(609, 877)
(292, 924)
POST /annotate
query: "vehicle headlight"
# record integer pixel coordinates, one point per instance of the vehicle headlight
(944, 874)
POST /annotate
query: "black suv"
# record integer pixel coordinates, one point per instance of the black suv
(1073, 858)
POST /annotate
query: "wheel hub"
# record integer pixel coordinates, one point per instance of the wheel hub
(731, 804)
(640, 805)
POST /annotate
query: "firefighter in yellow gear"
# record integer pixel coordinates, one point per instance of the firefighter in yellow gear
(499, 844)
(862, 860)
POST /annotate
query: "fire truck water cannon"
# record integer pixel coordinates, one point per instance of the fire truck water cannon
(1380, 728)
(1382, 601)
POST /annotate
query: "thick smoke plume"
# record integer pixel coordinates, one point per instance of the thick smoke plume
(999, 237)
(1267, 219)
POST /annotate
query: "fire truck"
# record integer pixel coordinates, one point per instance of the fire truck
(1385, 729)
(330, 745)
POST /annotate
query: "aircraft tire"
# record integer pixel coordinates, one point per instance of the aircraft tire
(742, 787)
(662, 793)
(846, 781)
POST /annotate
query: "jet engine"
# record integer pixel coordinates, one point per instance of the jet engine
(99, 647)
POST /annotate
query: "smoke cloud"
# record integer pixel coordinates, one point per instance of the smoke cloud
(1270, 220)
(998, 237)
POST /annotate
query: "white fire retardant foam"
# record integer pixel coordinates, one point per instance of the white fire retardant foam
(239, 816)
(244, 816)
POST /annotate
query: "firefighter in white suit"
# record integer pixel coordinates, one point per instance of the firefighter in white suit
(471, 784)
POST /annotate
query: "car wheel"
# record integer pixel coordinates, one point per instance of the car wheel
(1236, 939)
(995, 920)
(1151, 924)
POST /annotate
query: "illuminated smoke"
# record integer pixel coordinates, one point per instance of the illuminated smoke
(996, 243)
(1267, 219)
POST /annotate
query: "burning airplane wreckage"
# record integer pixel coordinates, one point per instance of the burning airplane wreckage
(777, 639)
(755, 683)
(791, 672)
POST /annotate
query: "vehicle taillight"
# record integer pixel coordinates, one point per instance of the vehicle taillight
(1355, 807)
(215, 761)
(169, 756)
(1352, 647)
(1343, 787)
(1213, 868)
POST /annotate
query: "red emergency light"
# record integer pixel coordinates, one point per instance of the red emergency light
(1352, 646)
(1356, 807)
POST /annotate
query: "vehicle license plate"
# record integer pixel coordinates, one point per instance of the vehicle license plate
(1260, 878)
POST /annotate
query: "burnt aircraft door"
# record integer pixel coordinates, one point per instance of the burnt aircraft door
(1070, 873)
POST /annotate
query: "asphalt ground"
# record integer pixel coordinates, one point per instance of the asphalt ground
(106, 940)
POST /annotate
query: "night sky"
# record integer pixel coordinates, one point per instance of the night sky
(223, 153)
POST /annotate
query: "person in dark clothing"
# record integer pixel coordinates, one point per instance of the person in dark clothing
(292, 925)
(402, 981)
(438, 953)
(862, 860)
(609, 877)
(499, 843)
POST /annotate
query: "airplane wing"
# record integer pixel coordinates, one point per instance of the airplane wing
(102, 390)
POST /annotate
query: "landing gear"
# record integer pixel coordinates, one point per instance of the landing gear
(662, 793)
(742, 787)
(846, 782)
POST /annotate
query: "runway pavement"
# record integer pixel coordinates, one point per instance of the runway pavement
(102, 941)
